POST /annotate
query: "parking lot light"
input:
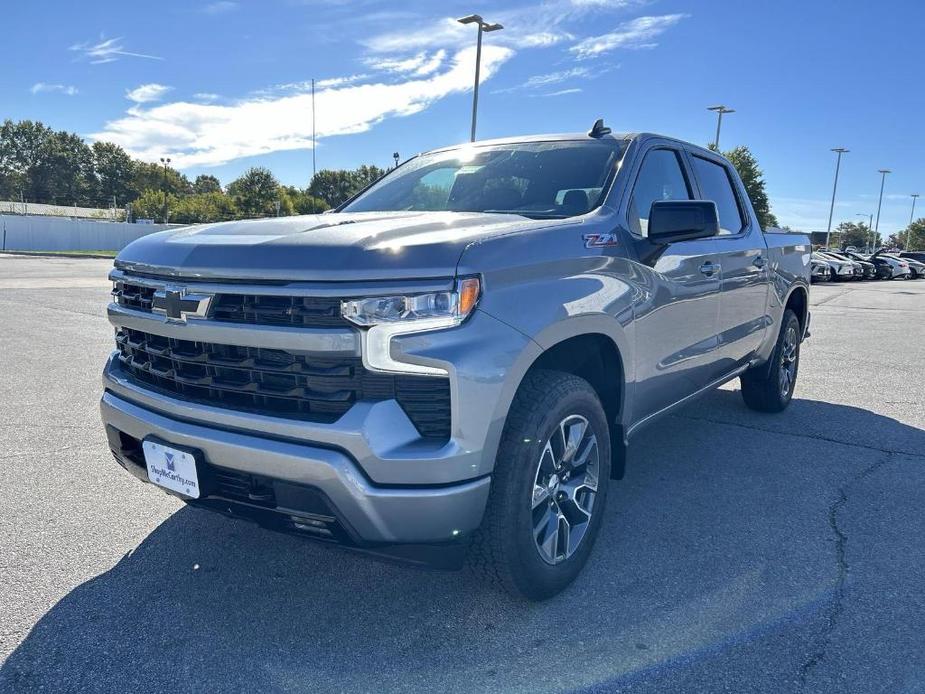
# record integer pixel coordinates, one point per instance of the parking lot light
(719, 110)
(883, 173)
(911, 219)
(839, 151)
(483, 27)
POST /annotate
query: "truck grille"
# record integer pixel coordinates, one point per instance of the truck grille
(254, 309)
(276, 382)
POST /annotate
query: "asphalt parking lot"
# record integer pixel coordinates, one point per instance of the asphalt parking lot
(743, 552)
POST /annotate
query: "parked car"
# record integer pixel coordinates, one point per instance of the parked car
(916, 268)
(838, 269)
(820, 271)
(868, 269)
(899, 266)
(883, 269)
(426, 375)
(913, 255)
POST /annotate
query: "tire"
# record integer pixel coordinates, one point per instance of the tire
(832, 274)
(514, 548)
(769, 387)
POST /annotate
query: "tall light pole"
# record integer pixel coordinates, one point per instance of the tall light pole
(719, 111)
(166, 163)
(911, 218)
(396, 156)
(883, 173)
(314, 166)
(839, 151)
(483, 26)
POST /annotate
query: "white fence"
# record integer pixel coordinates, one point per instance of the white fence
(36, 233)
(109, 213)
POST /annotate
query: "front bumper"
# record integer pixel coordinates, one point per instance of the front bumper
(278, 481)
(383, 482)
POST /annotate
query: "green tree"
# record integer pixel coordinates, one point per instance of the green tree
(206, 183)
(304, 202)
(150, 205)
(915, 233)
(332, 186)
(203, 207)
(753, 179)
(150, 176)
(337, 186)
(114, 170)
(366, 175)
(856, 234)
(255, 192)
(44, 165)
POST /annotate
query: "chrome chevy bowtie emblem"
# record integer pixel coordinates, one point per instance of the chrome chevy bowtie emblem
(177, 304)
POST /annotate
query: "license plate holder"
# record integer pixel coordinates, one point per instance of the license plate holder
(172, 468)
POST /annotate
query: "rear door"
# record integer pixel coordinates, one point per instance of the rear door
(743, 312)
(677, 313)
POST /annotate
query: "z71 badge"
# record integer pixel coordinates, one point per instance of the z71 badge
(600, 240)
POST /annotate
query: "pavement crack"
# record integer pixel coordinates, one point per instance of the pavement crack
(842, 568)
(814, 437)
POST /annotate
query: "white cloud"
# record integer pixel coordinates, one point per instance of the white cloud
(107, 51)
(419, 64)
(206, 96)
(45, 87)
(146, 93)
(609, 4)
(562, 92)
(548, 79)
(220, 7)
(523, 28)
(637, 33)
(197, 134)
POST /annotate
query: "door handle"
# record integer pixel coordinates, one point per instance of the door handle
(759, 262)
(708, 268)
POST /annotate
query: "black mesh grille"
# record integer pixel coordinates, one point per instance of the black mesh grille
(255, 309)
(278, 383)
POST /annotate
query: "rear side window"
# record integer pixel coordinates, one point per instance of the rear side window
(660, 178)
(716, 185)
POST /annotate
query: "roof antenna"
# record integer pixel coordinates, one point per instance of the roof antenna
(599, 129)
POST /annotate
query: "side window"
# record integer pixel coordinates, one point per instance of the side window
(660, 178)
(716, 186)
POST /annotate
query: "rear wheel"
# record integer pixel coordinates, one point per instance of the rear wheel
(548, 488)
(769, 387)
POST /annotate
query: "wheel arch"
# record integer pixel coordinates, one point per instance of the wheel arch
(590, 351)
(798, 302)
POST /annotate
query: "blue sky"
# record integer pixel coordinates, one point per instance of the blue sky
(222, 85)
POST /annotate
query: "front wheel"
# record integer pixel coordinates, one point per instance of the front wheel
(769, 387)
(548, 488)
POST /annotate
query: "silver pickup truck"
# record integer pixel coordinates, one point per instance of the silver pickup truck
(450, 365)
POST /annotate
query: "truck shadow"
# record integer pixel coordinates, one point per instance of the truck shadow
(208, 604)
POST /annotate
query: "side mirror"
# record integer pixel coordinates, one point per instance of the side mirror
(671, 221)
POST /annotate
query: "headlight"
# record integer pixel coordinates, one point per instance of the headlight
(455, 305)
(389, 316)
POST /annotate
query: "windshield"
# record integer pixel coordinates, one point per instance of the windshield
(536, 179)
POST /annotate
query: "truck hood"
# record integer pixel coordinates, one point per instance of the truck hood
(329, 247)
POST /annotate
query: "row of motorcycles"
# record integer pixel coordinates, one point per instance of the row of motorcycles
(850, 264)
